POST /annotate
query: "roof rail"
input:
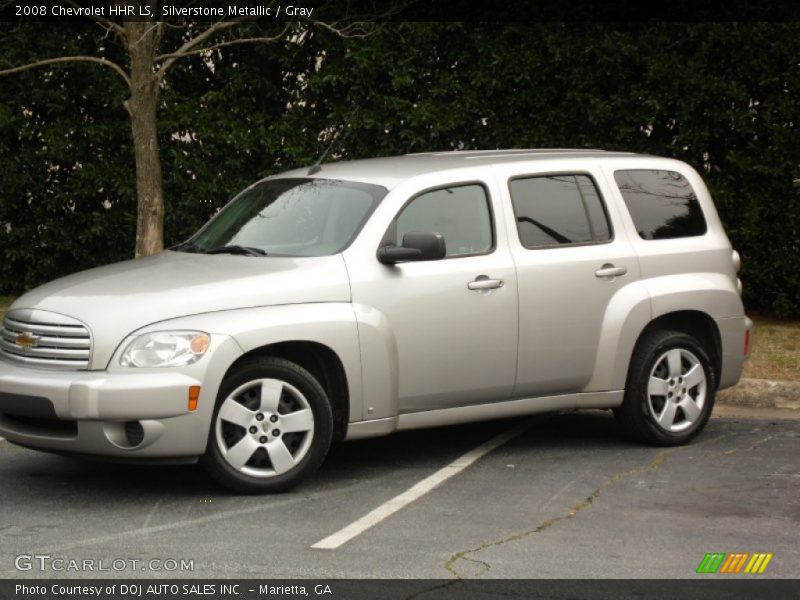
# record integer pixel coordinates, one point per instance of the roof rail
(503, 152)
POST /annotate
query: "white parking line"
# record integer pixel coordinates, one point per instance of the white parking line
(121, 537)
(418, 490)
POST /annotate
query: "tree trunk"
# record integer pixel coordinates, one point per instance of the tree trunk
(142, 107)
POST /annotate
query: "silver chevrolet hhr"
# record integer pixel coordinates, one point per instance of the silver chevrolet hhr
(366, 297)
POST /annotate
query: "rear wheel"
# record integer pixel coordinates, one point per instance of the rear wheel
(272, 427)
(670, 390)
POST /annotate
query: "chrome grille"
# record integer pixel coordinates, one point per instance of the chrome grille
(54, 341)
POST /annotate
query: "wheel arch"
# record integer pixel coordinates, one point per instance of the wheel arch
(325, 366)
(695, 323)
(692, 305)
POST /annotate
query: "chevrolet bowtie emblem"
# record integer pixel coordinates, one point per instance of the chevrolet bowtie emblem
(27, 340)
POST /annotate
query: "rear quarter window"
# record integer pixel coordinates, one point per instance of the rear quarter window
(662, 204)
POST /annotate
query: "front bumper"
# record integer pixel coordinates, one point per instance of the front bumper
(135, 413)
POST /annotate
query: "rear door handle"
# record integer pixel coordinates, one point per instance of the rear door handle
(482, 282)
(609, 270)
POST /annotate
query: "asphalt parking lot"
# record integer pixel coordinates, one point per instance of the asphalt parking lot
(566, 498)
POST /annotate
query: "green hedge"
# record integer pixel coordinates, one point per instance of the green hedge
(724, 97)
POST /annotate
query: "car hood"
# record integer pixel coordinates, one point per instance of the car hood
(120, 298)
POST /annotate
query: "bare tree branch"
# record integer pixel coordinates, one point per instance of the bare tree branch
(349, 28)
(362, 25)
(67, 59)
(192, 43)
(106, 24)
(356, 29)
(250, 40)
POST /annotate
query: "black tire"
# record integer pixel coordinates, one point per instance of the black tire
(267, 367)
(637, 415)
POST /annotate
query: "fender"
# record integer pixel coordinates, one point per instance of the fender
(716, 295)
(712, 293)
(332, 324)
(627, 314)
(636, 305)
(380, 359)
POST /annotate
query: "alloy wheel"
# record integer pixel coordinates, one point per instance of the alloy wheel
(676, 390)
(264, 428)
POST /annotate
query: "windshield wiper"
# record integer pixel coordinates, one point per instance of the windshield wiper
(187, 247)
(236, 249)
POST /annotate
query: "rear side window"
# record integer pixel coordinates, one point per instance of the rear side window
(460, 213)
(556, 210)
(663, 204)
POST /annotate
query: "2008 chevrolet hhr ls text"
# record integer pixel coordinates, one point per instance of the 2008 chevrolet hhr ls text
(365, 297)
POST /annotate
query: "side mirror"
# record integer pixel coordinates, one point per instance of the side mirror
(416, 247)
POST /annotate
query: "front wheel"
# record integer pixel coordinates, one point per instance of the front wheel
(670, 390)
(272, 427)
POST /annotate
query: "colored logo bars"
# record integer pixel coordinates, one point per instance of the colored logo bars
(735, 562)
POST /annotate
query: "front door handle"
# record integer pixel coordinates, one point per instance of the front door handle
(482, 282)
(609, 270)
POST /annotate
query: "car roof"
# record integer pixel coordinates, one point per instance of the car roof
(390, 171)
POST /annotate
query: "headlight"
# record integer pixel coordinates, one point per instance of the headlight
(165, 349)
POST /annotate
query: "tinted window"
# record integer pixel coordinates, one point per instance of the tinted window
(558, 209)
(662, 204)
(461, 214)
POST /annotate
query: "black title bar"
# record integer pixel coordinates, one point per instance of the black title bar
(341, 589)
(177, 11)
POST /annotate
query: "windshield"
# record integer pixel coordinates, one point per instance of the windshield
(289, 217)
